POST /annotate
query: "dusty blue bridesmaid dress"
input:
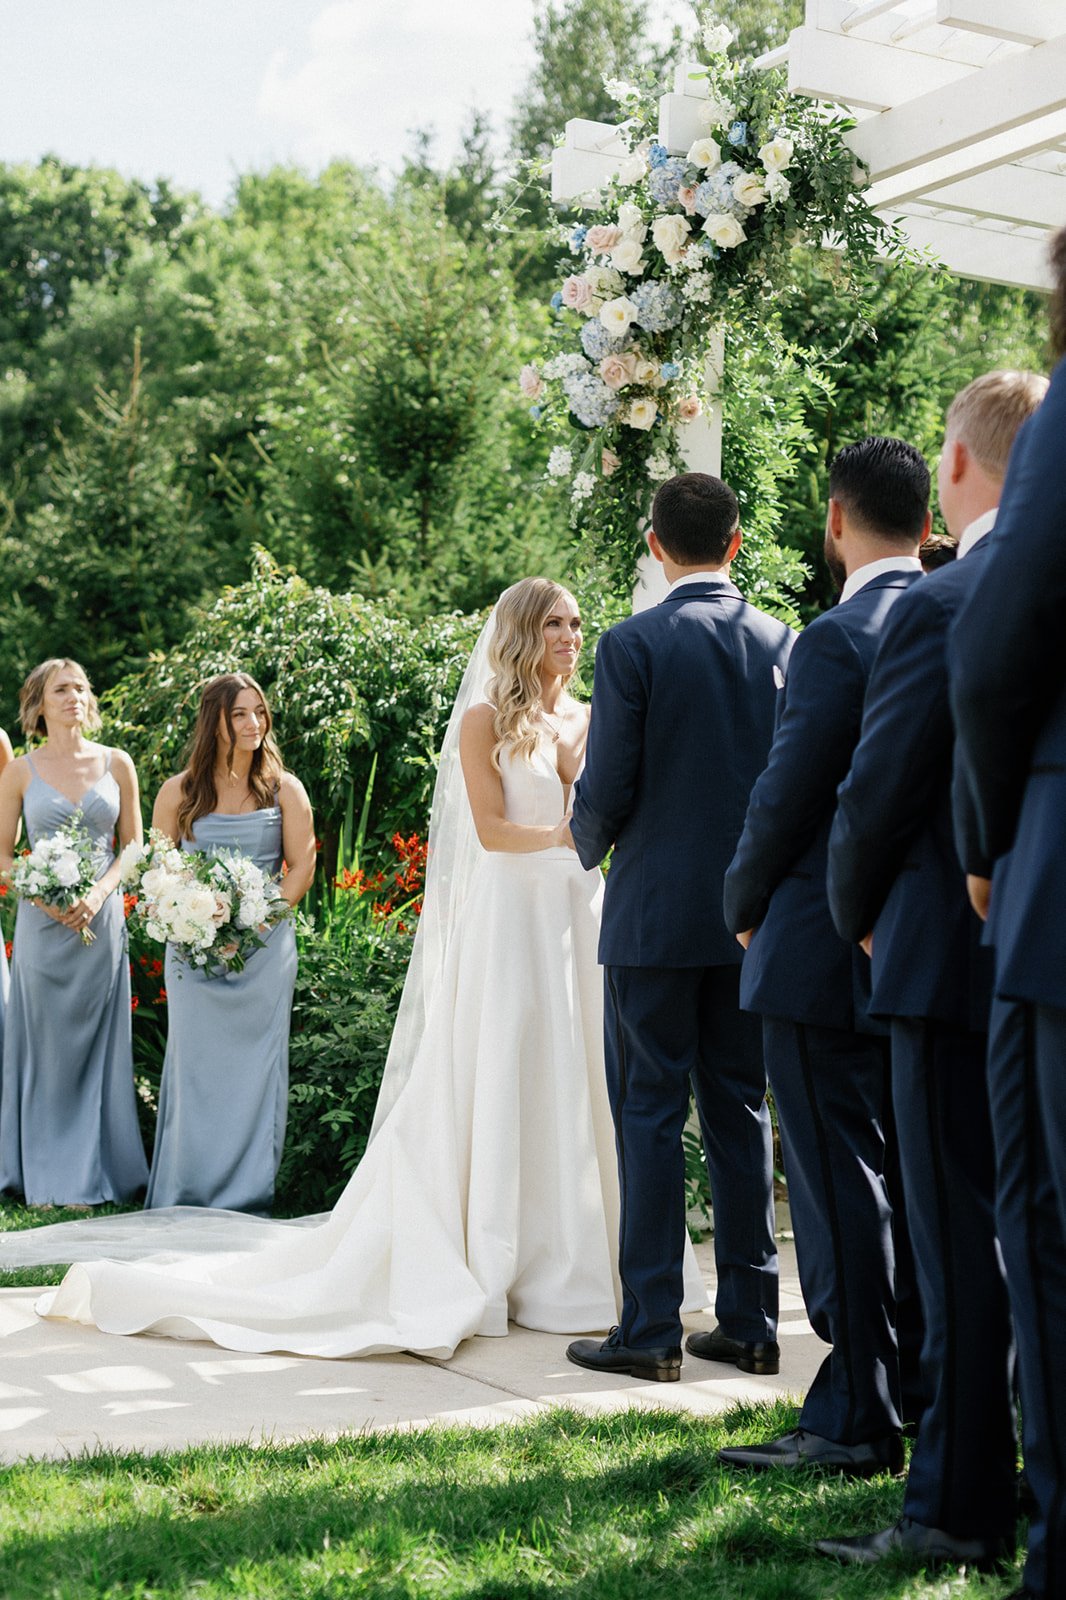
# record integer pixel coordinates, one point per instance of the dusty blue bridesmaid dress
(68, 1113)
(4, 984)
(224, 1092)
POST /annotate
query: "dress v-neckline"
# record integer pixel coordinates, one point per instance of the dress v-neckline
(77, 804)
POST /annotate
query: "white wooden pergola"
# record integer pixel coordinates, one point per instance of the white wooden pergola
(961, 113)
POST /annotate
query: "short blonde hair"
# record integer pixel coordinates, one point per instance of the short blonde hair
(31, 697)
(987, 414)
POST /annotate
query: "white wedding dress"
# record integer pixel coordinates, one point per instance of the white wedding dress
(488, 1193)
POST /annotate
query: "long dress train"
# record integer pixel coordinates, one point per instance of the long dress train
(490, 1191)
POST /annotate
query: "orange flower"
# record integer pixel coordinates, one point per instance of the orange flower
(134, 1003)
(7, 948)
(129, 903)
(161, 998)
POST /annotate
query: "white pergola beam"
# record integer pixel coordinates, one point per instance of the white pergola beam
(974, 252)
(1007, 101)
(593, 151)
(982, 155)
(1011, 194)
(1023, 21)
(858, 72)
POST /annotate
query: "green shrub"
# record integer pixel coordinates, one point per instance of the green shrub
(351, 685)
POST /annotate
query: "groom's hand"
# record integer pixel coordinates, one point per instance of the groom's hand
(745, 938)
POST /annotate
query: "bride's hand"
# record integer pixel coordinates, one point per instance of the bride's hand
(561, 835)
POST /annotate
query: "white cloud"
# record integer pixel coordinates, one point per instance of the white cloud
(372, 76)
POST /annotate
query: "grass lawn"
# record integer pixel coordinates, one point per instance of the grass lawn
(625, 1507)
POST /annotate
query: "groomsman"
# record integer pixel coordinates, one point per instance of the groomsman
(1008, 689)
(682, 717)
(893, 869)
(828, 1072)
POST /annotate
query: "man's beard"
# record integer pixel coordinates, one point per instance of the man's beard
(837, 570)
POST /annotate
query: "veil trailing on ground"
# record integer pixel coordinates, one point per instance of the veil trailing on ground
(175, 1231)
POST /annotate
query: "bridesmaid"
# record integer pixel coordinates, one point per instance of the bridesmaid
(68, 1114)
(6, 755)
(222, 1103)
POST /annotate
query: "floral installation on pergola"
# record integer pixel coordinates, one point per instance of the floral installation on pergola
(678, 250)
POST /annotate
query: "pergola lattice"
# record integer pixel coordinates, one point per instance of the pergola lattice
(961, 113)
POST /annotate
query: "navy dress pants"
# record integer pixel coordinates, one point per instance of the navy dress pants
(1027, 1087)
(962, 1472)
(668, 1033)
(830, 1086)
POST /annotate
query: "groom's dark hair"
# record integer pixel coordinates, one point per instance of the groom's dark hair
(695, 516)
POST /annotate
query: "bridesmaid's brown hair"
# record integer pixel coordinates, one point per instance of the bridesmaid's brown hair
(198, 793)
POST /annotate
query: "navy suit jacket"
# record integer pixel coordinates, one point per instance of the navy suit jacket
(892, 860)
(797, 966)
(682, 717)
(1008, 688)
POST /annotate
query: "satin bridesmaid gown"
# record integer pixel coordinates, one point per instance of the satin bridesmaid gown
(223, 1099)
(68, 1113)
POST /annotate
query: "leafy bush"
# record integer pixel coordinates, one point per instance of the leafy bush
(350, 684)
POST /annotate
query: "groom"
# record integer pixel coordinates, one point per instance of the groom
(682, 719)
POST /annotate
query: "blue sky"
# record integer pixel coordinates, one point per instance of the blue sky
(199, 90)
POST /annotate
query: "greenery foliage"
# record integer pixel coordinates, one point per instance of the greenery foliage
(350, 682)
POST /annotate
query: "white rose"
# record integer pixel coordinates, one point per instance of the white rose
(748, 190)
(629, 258)
(156, 930)
(618, 315)
(157, 881)
(704, 153)
(632, 170)
(717, 38)
(130, 860)
(648, 373)
(670, 236)
(724, 231)
(777, 154)
(67, 869)
(631, 220)
(777, 186)
(640, 414)
(715, 113)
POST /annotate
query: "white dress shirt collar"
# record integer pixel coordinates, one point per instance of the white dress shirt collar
(877, 569)
(976, 531)
(716, 575)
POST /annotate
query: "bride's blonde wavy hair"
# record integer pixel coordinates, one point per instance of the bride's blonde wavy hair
(515, 655)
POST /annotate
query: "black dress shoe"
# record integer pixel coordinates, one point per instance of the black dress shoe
(927, 1547)
(803, 1449)
(763, 1359)
(662, 1364)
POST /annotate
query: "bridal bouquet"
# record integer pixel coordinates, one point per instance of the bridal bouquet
(59, 870)
(214, 910)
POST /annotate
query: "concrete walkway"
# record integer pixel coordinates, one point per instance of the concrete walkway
(66, 1389)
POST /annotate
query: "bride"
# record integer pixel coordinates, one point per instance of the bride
(489, 1189)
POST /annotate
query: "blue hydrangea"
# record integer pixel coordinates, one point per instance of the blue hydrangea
(658, 308)
(597, 342)
(557, 300)
(657, 155)
(591, 401)
(666, 179)
(670, 370)
(715, 194)
(536, 413)
(577, 238)
(738, 135)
